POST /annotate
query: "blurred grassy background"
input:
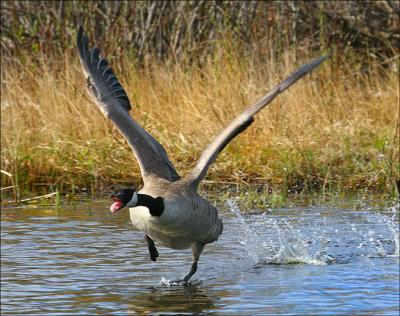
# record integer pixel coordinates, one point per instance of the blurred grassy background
(189, 67)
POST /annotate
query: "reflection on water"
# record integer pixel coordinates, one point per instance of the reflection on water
(315, 260)
(191, 299)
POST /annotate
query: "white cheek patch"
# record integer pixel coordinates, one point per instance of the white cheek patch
(133, 200)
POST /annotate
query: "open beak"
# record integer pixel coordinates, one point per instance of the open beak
(117, 205)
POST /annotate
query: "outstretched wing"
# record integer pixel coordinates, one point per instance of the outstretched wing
(244, 120)
(113, 102)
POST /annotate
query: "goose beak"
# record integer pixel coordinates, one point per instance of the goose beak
(117, 205)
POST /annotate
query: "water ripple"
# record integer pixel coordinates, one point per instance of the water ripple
(287, 261)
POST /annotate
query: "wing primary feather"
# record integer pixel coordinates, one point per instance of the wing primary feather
(115, 83)
(102, 64)
(97, 69)
(109, 78)
(94, 56)
(106, 69)
(303, 70)
(244, 120)
(112, 100)
(236, 132)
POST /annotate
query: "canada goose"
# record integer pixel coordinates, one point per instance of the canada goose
(168, 208)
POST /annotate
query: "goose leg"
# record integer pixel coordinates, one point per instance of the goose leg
(152, 248)
(196, 251)
(192, 271)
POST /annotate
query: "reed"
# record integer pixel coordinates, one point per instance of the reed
(336, 130)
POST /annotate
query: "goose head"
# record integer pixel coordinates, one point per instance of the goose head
(123, 198)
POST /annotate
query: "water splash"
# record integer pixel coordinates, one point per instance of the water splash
(167, 282)
(174, 283)
(391, 223)
(280, 243)
(317, 236)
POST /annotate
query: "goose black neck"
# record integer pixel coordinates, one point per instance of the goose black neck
(155, 205)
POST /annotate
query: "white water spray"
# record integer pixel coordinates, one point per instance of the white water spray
(317, 236)
(268, 240)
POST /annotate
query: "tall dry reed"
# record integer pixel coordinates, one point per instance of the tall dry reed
(336, 129)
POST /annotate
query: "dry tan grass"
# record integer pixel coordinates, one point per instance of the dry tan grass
(336, 129)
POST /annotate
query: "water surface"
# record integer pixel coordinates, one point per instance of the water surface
(302, 260)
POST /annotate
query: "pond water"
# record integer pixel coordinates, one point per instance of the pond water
(297, 260)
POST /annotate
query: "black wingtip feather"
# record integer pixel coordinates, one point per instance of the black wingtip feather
(82, 43)
(302, 71)
(94, 55)
(80, 33)
(98, 69)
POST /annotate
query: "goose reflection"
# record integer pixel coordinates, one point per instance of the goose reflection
(190, 300)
